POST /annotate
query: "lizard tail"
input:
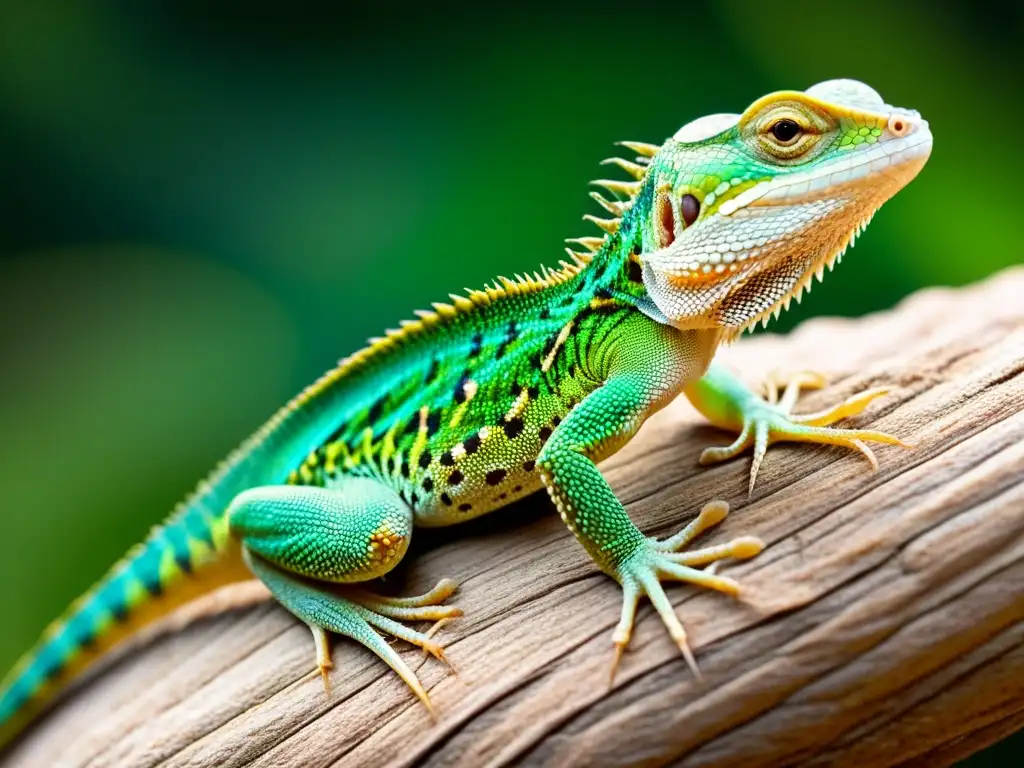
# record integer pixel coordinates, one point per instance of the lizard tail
(189, 556)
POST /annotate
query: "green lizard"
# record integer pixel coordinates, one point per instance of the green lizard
(529, 383)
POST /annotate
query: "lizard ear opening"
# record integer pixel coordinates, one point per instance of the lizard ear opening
(664, 220)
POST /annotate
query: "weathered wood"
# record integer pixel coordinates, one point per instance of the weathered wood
(881, 626)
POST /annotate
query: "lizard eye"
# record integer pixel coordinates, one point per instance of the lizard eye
(786, 131)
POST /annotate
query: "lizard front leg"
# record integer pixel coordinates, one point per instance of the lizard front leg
(605, 419)
(296, 536)
(727, 402)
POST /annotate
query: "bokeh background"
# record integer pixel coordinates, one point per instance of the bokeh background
(203, 205)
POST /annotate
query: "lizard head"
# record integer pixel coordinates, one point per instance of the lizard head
(736, 214)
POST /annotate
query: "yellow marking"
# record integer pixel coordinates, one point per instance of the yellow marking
(421, 437)
(597, 303)
(336, 449)
(562, 336)
(306, 474)
(366, 449)
(469, 389)
(199, 552)
(388, 445)
(459, 413)
(220, 533)
(168, 567)
(518, 405)
(836, 110)
(383, 544)
(134, 593)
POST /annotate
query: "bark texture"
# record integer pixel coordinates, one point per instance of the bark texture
(881, 626)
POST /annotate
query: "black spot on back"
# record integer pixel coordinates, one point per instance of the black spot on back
(495, 476)
(456, 477)
(510, 336)
(54, 671)
(433, 422)
(460, 388)
(376, 410)
(513, 427)
(476, 345)
(472, 444)
(183, 559)
(119, 611)
(152, 584)
(432, 372)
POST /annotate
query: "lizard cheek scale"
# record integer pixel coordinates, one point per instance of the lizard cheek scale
(526, 384)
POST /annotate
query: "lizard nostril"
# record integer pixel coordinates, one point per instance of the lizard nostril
(899, 126)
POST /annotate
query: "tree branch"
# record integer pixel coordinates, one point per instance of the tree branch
(881, 626)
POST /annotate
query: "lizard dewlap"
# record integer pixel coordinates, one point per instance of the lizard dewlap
(528, 383)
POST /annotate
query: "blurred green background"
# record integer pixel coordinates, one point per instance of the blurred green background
(204, 205)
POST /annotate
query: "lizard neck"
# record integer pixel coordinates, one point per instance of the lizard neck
(615, 272)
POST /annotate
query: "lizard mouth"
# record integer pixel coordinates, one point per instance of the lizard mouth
(767, 245)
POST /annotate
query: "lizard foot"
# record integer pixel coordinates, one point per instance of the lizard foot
(425, 607)
(361, 615)
(389, 614)
(770, 420)
(662, 559)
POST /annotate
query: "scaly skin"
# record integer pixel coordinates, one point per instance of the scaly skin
(527, 383)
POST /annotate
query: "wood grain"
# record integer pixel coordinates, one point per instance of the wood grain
(882, 625)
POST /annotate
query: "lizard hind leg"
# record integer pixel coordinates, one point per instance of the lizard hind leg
(309, 545)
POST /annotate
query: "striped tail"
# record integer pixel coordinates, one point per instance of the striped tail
(188, 556)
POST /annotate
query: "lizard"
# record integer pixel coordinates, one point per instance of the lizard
(526, 384)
